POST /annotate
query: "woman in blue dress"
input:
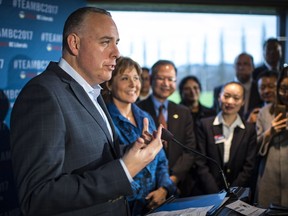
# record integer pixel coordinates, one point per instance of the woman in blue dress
(152, 185)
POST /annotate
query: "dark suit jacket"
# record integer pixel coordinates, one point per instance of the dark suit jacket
(241, 163)
(258, 70)
(64, 160)
(180, 123)
(254, 100)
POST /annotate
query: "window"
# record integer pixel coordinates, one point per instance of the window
(201, 44)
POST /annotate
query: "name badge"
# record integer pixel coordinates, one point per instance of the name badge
(219, 139)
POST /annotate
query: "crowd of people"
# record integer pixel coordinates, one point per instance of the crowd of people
(86, 133)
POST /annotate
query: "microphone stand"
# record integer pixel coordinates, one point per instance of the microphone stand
(167, 135)
(231, 193)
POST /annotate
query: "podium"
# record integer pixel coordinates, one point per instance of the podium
(218, 201)
(194, 202)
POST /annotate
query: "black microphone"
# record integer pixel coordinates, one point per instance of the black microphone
(168, 136)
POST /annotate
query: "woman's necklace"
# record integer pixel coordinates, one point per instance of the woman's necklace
(128, 115)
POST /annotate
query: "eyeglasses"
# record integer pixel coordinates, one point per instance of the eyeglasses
(283, 91)
(269, 86)
(170, 79)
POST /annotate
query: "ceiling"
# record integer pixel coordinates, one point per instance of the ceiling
(259, 3)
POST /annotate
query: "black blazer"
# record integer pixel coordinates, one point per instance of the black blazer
(258, 70)
(254, 100)
(180, 123)
(241, 163)
(64, 160)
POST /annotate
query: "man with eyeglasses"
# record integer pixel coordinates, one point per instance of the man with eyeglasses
(266, 83)
(177, 119)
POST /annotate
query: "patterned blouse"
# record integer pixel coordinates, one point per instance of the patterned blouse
(155, 174)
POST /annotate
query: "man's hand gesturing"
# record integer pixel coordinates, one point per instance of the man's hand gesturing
(141, 154)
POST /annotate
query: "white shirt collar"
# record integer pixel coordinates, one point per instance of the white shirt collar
(246, 85)
(76, 76)
(219, 120)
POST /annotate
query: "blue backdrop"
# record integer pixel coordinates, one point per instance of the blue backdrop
(30, 37)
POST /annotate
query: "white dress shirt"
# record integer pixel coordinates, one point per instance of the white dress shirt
(228, 132)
